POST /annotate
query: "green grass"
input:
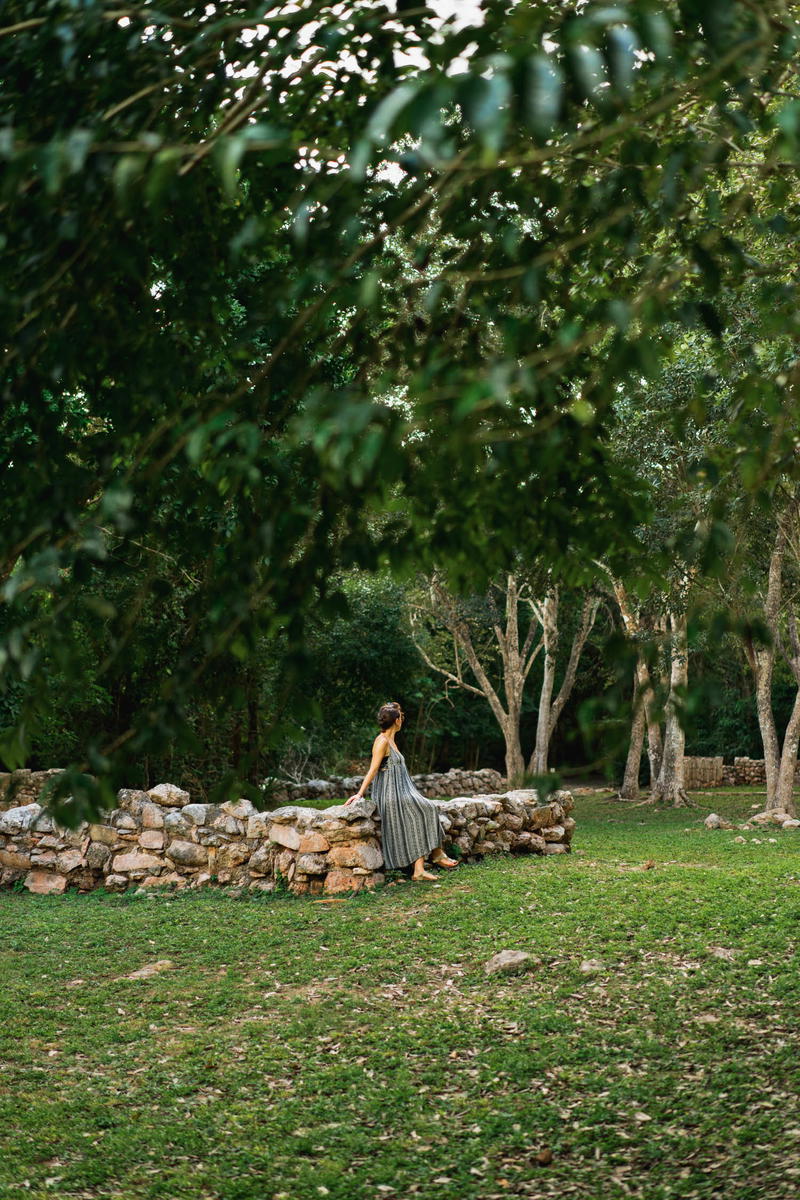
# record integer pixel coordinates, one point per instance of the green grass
(357, 1050)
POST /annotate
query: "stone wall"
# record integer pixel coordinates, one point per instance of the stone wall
(160, 838)
(22, 787)
(455, 782)
(713, 772)
(745, 770)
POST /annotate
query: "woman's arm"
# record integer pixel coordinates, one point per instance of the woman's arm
(378, 755)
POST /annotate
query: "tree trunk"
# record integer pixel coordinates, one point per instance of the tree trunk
(784, 792)
(630, 780)
(549, 619)
(669, 788)
(517, 661)
(762, 662)
(550, 710)
(515, 763)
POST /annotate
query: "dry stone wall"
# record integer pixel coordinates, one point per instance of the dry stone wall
(22, 787)
(713, 772)
(455, 782)
(160, 838)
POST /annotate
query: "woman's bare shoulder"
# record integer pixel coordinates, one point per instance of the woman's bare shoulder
(381, 742)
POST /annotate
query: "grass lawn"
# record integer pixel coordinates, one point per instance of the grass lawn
(356, 1049)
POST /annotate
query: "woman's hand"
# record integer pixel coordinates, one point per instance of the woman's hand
(352, 798)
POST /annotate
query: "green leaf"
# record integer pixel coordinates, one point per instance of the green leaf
(623, 45)
(589, 73)
(226, 155)
(544, 95)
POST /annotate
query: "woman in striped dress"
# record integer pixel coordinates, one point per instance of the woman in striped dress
(410, 829)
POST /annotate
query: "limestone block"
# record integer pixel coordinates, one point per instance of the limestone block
(544, 815)
(169, 796)
(359, 810)
(104, 834)
(556, 848)
(152, 816)
(45, 883)
(285, 862)
(187, 854)
(240, 809)
(97, 856)
(510, 962)
(342, 880)
(232, 855)
(313, 843)
(285, 835)
(311, 864)
(526, 796)
(122, 820)
(263, 858)
(42, 858)
(294, 814)
(174, 823)
(569, 827)
(566, 800)
(196, 814)
(132, 800)
(15, 859)
(337, 831)
(227, 824)
(554, 833)
(115, 883)
(19, 820)
(136, 862)
(258, 825)
(207, 837)
(151, 839)
(69, 860)
(265, 885)
(359, 854)
(511, 821)
(49, 842)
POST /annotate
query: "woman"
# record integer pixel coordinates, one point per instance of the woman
(410, 829)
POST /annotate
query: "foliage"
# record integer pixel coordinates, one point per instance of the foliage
(286, 290)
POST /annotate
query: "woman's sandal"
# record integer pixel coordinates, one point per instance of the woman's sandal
(450, 864)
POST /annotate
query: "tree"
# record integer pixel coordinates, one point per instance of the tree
(476, 634)
(780, 620)
(213, 348)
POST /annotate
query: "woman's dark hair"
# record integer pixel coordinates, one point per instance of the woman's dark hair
(388, 714)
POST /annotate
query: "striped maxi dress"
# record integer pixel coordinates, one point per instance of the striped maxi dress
(410, 826)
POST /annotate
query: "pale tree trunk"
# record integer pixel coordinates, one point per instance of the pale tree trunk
(633, 627)
(762, 663)
(550, 710)
(784, 795)
(548, 617)
(517, 661)
(630, 779)
(669, 787)
(655, 747)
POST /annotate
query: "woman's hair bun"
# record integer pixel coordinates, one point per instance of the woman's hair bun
(388, 714)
